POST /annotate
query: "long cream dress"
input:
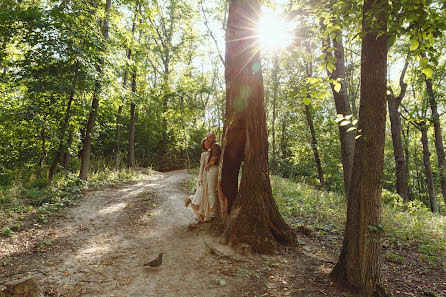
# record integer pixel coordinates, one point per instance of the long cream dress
(201, 197)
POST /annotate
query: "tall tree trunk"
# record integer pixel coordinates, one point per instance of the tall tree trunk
(66, 154)
(131, 153)
(406, 154)
(275, 78)
(117, 137)
(309, 118)
(402, 182)
(43, 156)
(317, 159)
(283, 139)
(428, 168)
(359, 264)
(86, 149)
(438, 137)
(254, 221)
(63, 129)
(118, 116)
(342, 104)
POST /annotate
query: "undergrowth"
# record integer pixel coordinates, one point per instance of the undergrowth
(404, 223)
(24, 199)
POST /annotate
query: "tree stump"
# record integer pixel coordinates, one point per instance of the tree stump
(25, 287)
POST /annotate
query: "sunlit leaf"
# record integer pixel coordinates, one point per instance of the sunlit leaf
(351, 129)
(428, 72)
(414, 45)
(331, 67)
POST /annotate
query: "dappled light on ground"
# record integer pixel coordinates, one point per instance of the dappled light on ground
(112, 208)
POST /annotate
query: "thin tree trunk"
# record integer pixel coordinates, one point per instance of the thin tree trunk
(254, 222)
(183, 126)
(43, 156)
(342, 104)
(309, 118)
(283, 141)
(428, 168)
(86, 149)
(275, 78)
(317, 159)
(438, 137)
(131, 152)
(62, 132)
(118, 116)
(406, 154)
(66, 154)
(359, 264)
(402, 182)
(117, 137)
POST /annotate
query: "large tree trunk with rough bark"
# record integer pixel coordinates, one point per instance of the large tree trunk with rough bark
(438, 137)
(359, 264)
(342, 104)
(86, 148)
(253, 221)
(428, 168)
(402, 183)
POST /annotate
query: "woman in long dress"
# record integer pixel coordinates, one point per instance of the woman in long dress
(200, 200)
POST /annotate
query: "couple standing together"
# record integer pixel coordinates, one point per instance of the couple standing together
(203, 201)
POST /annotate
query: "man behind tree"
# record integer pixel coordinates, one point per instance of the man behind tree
(212, 171)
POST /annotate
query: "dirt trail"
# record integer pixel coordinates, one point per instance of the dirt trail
(98, 248)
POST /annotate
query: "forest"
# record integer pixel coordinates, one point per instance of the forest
(330, 114)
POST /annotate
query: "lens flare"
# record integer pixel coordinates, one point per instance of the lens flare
(274, 32)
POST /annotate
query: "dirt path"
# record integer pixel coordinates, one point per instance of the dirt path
(98, 248)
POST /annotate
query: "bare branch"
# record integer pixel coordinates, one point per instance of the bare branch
(212, 34)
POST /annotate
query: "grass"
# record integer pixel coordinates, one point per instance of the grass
(404, 223)
(34, 197)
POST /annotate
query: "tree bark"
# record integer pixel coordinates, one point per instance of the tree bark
(254, 222)
(117, 149)
(359, 264)
(66, 154)
(118, 116)
(402, 183)
(131, 152)
(342, 104)
(43, 156)
(317, 159)
(275, 77)
(63, 129)
(86, 149)
(438, 137)
(428, 168)
(309, 118)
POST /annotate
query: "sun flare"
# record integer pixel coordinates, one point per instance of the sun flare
(274, 31)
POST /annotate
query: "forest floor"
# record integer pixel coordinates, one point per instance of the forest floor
(98, 248)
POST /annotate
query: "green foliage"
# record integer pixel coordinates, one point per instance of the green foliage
(302, 204)
(5, 231)
(21, 200)
(395, 258)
